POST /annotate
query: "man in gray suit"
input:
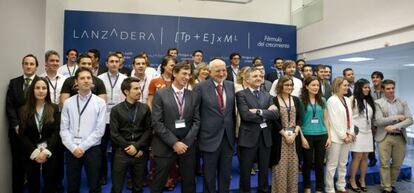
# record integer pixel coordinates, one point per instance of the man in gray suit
(255, 138)
(392, 118)
(175, 120)
(217, 135)
(325, 85)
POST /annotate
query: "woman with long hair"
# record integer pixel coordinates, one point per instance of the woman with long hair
(315, 128)
(39, 135)
(164, 80)
(363, 113)
(342, 135)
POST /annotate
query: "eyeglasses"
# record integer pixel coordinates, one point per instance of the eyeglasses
(287, 84)
(235, 58)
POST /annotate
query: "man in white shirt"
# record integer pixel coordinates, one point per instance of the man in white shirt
(139, 65)
(288, 70)
(71, 66)
(112, 81)
(81, 129)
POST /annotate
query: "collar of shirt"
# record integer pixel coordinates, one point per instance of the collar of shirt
(113, 76)
(176, 89)
(391, 101)
(31, 77)
(216, 83)
(252, 90)
(58, 75)
(85, 98)
(129, 105)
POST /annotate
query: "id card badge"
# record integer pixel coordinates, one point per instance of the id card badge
(77, 140)
(42, 145)
(109, 107)
(315, 120)
(263, 125)
(289, 131)
(180, 124)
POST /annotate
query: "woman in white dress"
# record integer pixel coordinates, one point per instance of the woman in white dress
(363, 110)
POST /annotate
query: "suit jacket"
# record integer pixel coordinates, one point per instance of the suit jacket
(214, 124)
(266, 86)
(383, 119)
(272, 76)
(30, 135)
(230, 74)
(165, 113)
(250, 129)
(14, 100)
(298, 75)
(328, 90)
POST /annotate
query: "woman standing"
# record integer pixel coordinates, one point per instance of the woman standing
(363, 112)
(285, 156)
(201, 72)
(164, 80)
(341, 133)
(39, 134)
(315, 128)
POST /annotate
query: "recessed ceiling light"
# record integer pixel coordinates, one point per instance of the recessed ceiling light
(411, 65)
(355, 59)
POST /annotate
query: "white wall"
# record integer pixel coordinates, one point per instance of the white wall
(266, 11)
(354, 25)
(22, 32)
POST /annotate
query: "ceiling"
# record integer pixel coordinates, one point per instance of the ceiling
(392, 57)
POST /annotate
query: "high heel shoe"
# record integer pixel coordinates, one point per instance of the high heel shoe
(363, 188)
(357, 189)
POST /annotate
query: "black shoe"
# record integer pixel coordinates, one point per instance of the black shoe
(363, 188)
(372, 163)
(349, 186)
(103, 181)
(394, 190)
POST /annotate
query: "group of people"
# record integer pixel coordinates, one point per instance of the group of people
(188, 111)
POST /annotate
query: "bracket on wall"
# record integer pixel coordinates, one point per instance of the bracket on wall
(231, 1)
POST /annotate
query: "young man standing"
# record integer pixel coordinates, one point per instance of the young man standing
(139, 65)
(71, 66)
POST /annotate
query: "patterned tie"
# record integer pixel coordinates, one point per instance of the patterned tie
(219, 90)
(26, 84)
(256, 93)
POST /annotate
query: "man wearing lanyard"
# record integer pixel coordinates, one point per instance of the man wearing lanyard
(175, 119)
(112, 81)
(139, 65)
(55, 81)
(71, 66)
(81, 129)
(392, 117)
(233, 69)
(130, 131)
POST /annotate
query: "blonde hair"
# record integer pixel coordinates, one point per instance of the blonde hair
(241, 75)
(337, 82)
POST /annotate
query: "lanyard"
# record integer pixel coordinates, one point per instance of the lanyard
(74, 69)
(39, 120)
(80, 112)
(143, 88)
(313, 110)
(180, 104)
(131, 119)
(53, 87)
(366, 110)
(288, 108)
(348, 121)
(112, 86)
(380, 94)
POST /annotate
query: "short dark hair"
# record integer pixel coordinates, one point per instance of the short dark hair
(386, 82)
(126, 84)
(110, 55)
(306, 65)
(346, 70)
(170, 49)
(319, 67)
(50, 53)
(234, 54)
(70, 50)
(96, 53)
(196, 51)
(82, 69)
(32, 56)
(256, 58)
(83, 56)
(136, 57)
(119, 52)
(276, 59)
(300, 60)
(183, 65)
(377, 73)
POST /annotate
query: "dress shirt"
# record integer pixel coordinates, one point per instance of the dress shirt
(297, 86)
(114, 93)
(376, 94)
(224, 93)
(144, 86)
(68, 71)
(92, 122)
(55, 86)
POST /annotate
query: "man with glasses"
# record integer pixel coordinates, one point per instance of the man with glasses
(233, 69)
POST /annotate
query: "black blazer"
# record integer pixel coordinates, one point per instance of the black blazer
(277, 137)
(230, 74)
(14, 100)
(165, 113)
(30, 135)
(272, 76)
(250, 122)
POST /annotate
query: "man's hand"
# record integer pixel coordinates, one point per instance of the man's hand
(131, 150)
(328, 143)
(272, 108)
(78, 152)
(41, 158)
(390, 128)
(139, 154)
(253, 111)
(401, 117)
(180, 147)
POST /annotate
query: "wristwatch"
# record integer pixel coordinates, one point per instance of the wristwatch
(258, 112)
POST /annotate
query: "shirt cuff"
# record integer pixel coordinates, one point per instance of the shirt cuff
(34, 154)
(47, 152)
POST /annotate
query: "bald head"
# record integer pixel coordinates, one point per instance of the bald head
(217, 68)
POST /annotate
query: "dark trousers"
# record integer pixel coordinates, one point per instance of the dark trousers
(186, 164)
(123, 163)
(92, 162)
(59, 163)
(315, 153)
(18, 165)
(48, 173)
(104, 148)
(248, 155)
(371, 155)
(218, 164)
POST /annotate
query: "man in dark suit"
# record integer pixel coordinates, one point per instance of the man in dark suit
(266, 85)
(299, 69)
(233, 69)
(97, 69)
(176, 120)
(16, 98)
(197, 59)
(349, 76)
(217, 133)
(278, 62)
(255, 140)
(325, 87)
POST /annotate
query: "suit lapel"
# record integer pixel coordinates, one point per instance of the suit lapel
(171, 98)
(250, 97)
(213, 96)
(187, 99)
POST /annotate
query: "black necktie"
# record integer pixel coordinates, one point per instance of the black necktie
(256, 93)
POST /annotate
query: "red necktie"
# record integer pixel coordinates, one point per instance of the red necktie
(219, 90)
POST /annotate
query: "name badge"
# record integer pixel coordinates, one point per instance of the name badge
(109, 107)
(314, 120)
(179, 124)
(42, 145)
(263, 125)
(289, 131)
(77, 140)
